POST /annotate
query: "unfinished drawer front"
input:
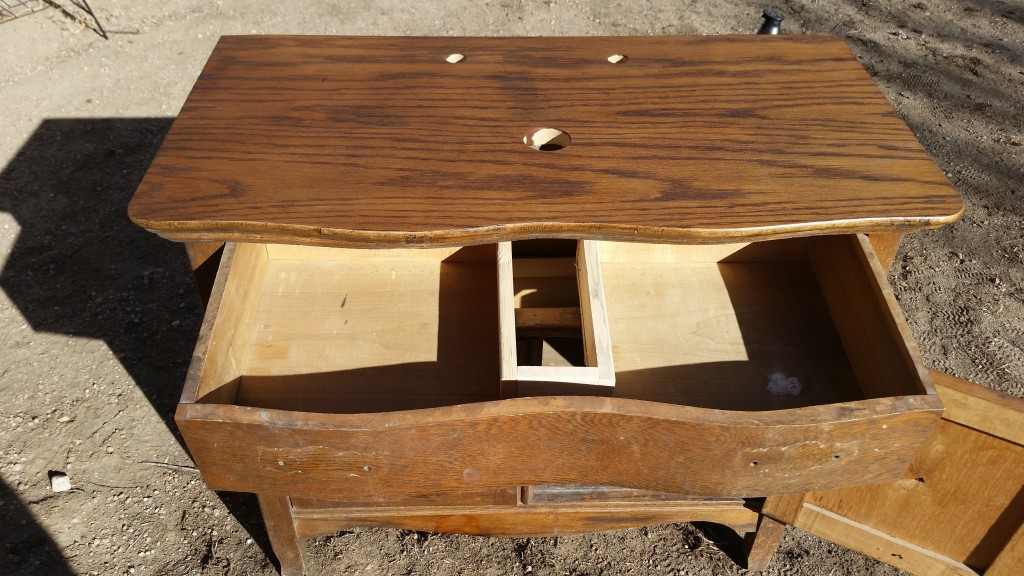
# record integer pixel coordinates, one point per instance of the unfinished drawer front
(376, 376)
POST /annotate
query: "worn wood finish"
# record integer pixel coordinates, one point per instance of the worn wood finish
(575, 493)
(381, 142)
(872, 542)
(527, 441)
(509, 496)
(548, 322)
(523, 521)
(958, 509)
(761, 544)
(289, 546)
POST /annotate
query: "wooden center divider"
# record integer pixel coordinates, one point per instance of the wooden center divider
(578, 280)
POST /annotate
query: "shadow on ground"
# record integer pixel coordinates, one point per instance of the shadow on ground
(25, 547)
(81, 267)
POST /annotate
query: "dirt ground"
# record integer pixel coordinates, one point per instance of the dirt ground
(98, 317)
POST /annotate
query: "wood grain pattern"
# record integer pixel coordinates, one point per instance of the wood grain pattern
(1010, 558)
(412, 324)
(288, 545)
(381, 142)
(885, 246)
(981, 408)
(523, 521)
(959, 506)
(597, 343)
(879, 545)
(761, 545)
(555, 440)
(870, 322)
(708, 326)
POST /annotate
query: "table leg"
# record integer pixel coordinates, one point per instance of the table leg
(761, 544)
(289, 548)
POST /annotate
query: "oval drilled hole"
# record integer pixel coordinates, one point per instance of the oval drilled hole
(455, 58)
(547, 139)
(618, 58)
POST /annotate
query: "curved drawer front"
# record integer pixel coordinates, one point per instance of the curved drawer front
(740, 371)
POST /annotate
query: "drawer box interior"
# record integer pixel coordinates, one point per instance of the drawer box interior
(749, 327)
(351, 331)
(760, 326)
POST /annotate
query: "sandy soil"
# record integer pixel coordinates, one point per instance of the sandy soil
(98, 318)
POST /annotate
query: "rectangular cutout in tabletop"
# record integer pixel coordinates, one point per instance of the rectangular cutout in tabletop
(350, 331)
(764, 326)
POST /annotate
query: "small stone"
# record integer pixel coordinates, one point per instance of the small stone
(59, 482)
(63, 419)
(110, 449)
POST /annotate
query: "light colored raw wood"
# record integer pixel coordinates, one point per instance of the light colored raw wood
(524, 521)
(557, 374)
(288, 545)
(710, 334)
(593, 311)
(870, 541)
(1011, 558)
(885, 246)
(206, 358)
(361, 335)
(233, 322)
(506, 321)
(981, 408)
(628, 252)
(961, 498)
(763, 543)
(545, 289)
(875, 335)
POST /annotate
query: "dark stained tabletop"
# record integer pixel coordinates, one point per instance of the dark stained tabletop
(383, 142)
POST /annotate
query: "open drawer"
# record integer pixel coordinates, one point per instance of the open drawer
(375, 375)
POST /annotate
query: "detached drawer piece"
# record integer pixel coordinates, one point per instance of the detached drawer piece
(776, 367)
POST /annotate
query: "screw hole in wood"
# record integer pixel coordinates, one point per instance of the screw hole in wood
(547, 139)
